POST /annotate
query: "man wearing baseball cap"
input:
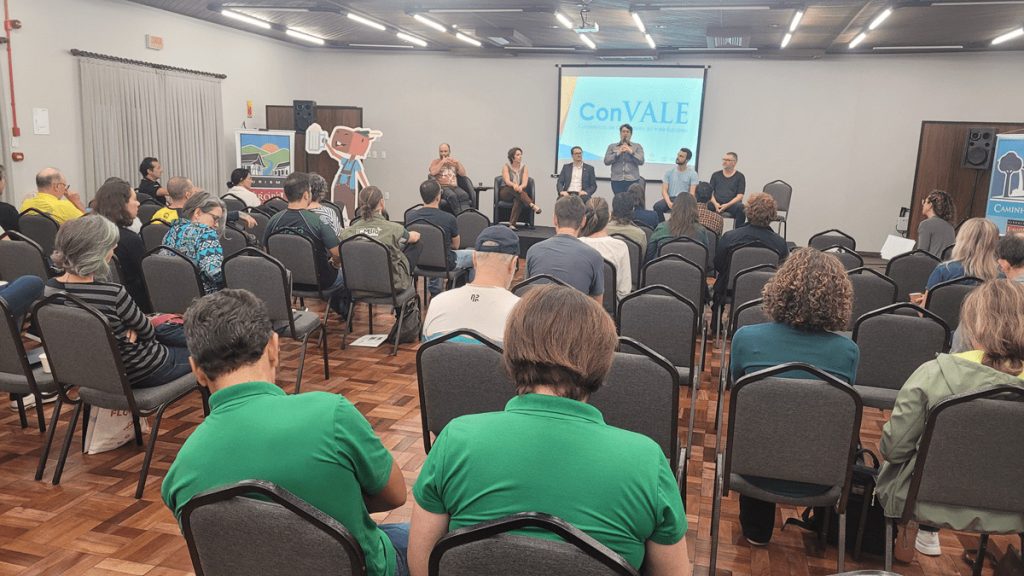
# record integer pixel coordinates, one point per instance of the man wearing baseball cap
(483, 304)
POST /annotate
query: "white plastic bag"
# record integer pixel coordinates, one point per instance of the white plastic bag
(109, 429)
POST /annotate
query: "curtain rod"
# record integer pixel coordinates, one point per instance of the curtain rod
(84, 54)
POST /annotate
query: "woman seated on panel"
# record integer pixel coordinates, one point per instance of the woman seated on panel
(240, 185)
(595, 235)
(117, 202)
(197, 235)
(515, 178)
(935, 233)
(808, 297)
(682, 223)
(559, 346)
(83, 249)
(993, 325)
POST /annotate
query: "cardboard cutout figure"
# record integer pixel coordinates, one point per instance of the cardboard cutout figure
(348, 146)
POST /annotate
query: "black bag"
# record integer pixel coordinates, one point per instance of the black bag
(410, 325)
(865, 519)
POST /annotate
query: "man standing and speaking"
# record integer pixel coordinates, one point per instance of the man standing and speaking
(729, 184)
(577, 177)
(625, 157)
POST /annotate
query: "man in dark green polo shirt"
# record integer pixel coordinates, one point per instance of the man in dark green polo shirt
(315, 445)
(550, 451)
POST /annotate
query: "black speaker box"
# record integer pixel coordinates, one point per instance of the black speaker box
(305, 114)
(980, 147)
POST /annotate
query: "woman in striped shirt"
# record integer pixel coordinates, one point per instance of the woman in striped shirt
(83, 249)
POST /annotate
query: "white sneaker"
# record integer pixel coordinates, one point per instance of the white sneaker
(928, 543)
(30, 401)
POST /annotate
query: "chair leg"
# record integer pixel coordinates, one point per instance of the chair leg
(86, 412)
(323, 336)
(979, 560)
(149, 451)
(49, 440)
(841, 561)
(398, 331)
(138, 430)
(716, 511)
(371, 318)
(347, 328)
(19, 400)
(39, 413)
(67, 443)
(302, 362)
(888, 544)
(694, 389)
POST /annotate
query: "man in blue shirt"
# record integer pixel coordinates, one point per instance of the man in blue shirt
(678, 180)
(565, 256)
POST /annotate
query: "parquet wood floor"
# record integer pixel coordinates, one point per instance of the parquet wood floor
(92, 525)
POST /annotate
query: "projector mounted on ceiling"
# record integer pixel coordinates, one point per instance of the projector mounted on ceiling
(586, 26)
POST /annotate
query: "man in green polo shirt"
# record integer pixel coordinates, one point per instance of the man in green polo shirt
(550, 451)
(315, 445)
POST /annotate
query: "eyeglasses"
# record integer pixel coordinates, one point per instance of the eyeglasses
(727, 160)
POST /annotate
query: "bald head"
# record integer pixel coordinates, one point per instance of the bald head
(50, 180)
(179, 188)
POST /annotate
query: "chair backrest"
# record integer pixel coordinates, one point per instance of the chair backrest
(663, 320)
(146, 211)
(153, 233)
(641, 394)
(458, 378)
(647, 229)
(972, 455)
(298, 254)
(338, 210)
(871, 290)
(410, 212)
(781, 192)
(486, 549)
(947, 253)
(366, 265)
(536, 280)
(893, 345)
(471, 223)
(847, 257)
(610, 297)
(21, 256)
(946, 298)
(749, 255)
(433, 256)
(678, 273)
(114, 274)
(12, 348)
(750, 282)
(264, 276)
(256, 527)
(262, 219)
(910, 272)
(693, 250)
(172, 280)
(233, 203)
(746, 314)
(274, 204)
(232, 241)
(81, 348)
(40, 227)
(636, 257)
(834, 237)
(793, 429)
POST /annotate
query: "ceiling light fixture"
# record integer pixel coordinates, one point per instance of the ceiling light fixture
(428, 22)
(880, 18)
(412, 39)
(473, 10)
(860, 38)
(366, 21)
(247, 19)
(586, 40)
(713, 7)
(1009, 36)
(468, 40)
(727, 49)
(948, 47)
(650, 42)
(786, 39)
(639, 23)
(563, 20)
(542, 48)
(796, 21)
(381, 46)
(305, 37)
(977, 3)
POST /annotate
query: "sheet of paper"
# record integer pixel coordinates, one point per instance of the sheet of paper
(370, 340)
(40, 121)
(896, 245)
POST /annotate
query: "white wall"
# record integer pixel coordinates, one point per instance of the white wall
(843, 131)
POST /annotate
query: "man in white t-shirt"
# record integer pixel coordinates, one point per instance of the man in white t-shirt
(485, 303)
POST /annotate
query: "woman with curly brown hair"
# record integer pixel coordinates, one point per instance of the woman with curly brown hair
(935, 233)
(806, 299)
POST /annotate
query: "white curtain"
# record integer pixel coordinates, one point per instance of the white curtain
(130, 112)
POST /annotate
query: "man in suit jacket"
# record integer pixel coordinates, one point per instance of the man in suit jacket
(577, 177)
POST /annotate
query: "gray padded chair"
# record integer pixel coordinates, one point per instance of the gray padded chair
(486, 548)
(910, 272)
(946, 298)
(153, 234)
(834, 237)
(274, 204)
(610, 296)
(410, 213)
(267, 278)
(84, 354)
(782, 193)
(256, 527)
(298, 254)
(871, 290)
(366, 265)
(647, 229)
(338, 210)
(433, 261)
(21, 256)
(947, 253)
(749, 283)
(745, 314)
(17, 377)
(147, 209)
(679, 273)
(40, 227)
(262, 219)
(232, 241)
(690, 249)
(233, 203)
(847, 257)
(536, 280)
(636, 258)
(970, 457)
(892, 346)
(503, 208)
(796, 430)
(459, 373)
(740, 258)
(172, 280)
(471, 223)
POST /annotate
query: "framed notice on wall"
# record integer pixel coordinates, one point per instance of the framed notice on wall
(269, 156)
(1006, 189)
